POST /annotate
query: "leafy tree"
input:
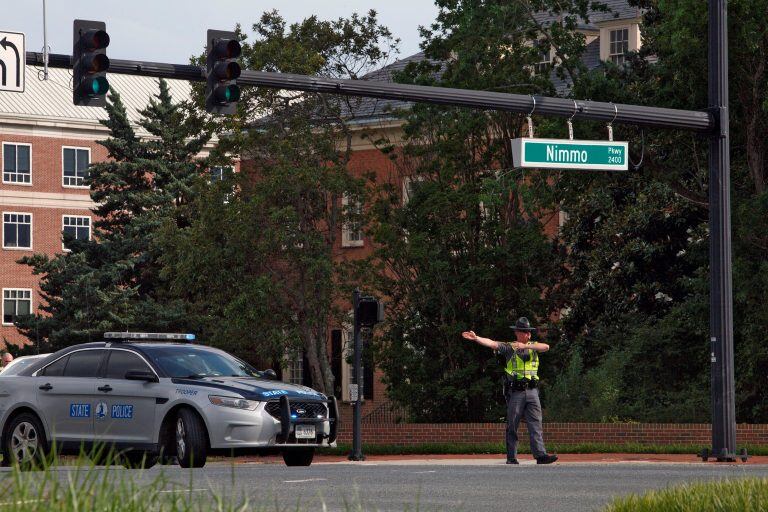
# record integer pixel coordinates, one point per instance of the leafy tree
(257, 267)
(636, 278)
(112, 282)
(468, 249)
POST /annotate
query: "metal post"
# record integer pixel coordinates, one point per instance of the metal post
(721, 304)
(357, 444)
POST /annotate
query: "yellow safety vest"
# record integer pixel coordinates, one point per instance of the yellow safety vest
(519, 369)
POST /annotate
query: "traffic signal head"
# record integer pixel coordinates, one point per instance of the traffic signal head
(90, 63)
(222, 70)
(370, 311)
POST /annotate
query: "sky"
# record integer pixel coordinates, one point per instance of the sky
(136, 26)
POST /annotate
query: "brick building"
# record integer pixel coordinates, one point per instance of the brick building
(46, 144)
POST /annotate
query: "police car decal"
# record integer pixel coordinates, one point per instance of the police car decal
(276, 392)
(79, 410)
(187, 392)
(101, 410)
(122, 411)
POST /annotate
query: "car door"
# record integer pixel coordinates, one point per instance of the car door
(125, 410)
(66, 394)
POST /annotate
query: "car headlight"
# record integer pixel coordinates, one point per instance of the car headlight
(230, 401)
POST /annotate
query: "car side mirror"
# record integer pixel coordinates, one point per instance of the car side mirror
(269, 374)
(141, 375)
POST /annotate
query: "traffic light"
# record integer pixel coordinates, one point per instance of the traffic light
(222, 70)
(370, 311)
(90, 63)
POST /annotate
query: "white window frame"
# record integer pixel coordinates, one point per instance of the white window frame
(31, 231)
(63, 148)
(31, 302)
(347, 240)
(294, 365)
(65, 216)
(408, 181)
(537, 68)
(614, 57)
(29, 145)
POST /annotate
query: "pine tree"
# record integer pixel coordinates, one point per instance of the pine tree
(113, 281)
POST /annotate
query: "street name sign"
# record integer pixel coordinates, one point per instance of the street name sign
(12, 60)
(595, 155)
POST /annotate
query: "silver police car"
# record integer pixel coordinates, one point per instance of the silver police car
(151, 396)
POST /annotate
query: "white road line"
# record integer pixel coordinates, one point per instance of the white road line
(423, 472)
(302, 481)
(182, 491)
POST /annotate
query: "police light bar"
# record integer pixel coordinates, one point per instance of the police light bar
(154, 336)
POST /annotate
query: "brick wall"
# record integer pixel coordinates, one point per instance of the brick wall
(556, 433)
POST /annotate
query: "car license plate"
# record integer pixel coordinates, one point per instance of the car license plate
(305, 431)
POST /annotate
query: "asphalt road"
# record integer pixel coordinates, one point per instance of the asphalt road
(440, 485)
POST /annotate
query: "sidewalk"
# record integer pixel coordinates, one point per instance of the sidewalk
(486, 459)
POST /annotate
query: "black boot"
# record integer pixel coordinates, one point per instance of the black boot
(546, 459)
(512, 461)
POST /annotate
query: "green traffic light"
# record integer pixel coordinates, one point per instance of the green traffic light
(97, 86)
(233, 93)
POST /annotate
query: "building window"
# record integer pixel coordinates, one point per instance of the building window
(294, 367)
(17, 230)
(619, 45)
(75, 163)
(76, 227)
(219, 173)
(16, 302)
(352, 229)
(17, 163)
(545, 58)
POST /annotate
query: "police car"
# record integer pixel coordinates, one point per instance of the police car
(159, 395)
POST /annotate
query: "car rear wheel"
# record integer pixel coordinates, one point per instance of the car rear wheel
(298, 456)
(25, 442)
(191, 445)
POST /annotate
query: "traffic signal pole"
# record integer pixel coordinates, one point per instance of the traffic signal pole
(713, 122)
(698, 121)
(720, 288)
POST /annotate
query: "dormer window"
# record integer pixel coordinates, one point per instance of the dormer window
(619, 45)
(545, 58)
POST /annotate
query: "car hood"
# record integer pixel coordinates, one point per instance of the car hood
(251, 388)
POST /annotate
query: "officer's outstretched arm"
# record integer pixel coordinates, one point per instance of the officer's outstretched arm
(486, 342)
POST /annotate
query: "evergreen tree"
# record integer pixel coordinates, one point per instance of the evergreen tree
(112, 282)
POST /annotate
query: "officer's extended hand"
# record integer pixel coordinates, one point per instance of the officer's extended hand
(519, 346)
(470, 335)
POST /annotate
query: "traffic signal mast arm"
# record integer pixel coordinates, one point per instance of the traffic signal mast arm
(694, 120)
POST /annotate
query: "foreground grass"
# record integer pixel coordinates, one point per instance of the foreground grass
(75, 484)
(83, 488)
(499, 448)
(745, 495)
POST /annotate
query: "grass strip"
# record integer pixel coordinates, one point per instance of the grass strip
(741, 495)
(499, 448)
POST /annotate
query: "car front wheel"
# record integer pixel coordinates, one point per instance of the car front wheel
(298, 456)
(191, 445)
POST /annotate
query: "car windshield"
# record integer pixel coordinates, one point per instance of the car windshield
(19, 365)
(190, 362)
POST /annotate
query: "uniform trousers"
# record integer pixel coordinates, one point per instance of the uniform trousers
(519, 403)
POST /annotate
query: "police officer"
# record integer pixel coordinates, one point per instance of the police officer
(521, 388)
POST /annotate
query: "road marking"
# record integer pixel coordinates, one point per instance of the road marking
(182, 491)
(423, 472)
(306, 480)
